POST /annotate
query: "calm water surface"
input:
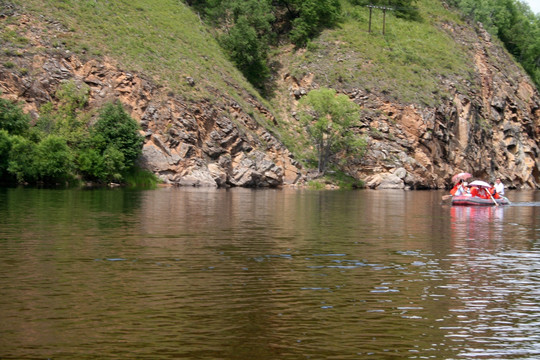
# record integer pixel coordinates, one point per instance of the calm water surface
(271, 274)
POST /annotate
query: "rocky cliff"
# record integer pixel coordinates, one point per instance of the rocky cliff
(490, 130)
(196, 143)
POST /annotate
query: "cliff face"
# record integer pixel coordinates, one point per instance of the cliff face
(490, 131)
(199, 143)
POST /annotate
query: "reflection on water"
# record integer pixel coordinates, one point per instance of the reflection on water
(273, 274)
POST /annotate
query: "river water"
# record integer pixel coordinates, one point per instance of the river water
(266, 274)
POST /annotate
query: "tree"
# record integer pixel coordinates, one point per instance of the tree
(67, 118)
(121, 131)
(5, 147)
(22, 159)
(329, 119)
(113, 146)
(513, 22)
(310, 17)
(247, 51)
(54, 160)
(12, 118)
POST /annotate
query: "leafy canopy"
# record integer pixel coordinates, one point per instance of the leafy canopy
(514, 23)
(330, 120)
(62, 144)
(12, 118)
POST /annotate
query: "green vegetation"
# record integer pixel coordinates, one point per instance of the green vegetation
(113, 146)
(62, 146)
(330, 120)
(228, 47)
(161, 39)
(336, 178)
(406, 65)
(515, 24)
(247, 28)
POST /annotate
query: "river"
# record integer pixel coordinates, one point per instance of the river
(266, 274)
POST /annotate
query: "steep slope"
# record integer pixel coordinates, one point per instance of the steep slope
(439, 97)
(203, 123)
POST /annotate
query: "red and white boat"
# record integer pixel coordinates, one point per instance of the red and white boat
(468, 200)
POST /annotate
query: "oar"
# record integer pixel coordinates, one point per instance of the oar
(446, 197)
(492, 198)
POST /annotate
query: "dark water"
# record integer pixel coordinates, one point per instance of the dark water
(284, 274)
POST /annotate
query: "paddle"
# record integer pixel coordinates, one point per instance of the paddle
(492, 198)
(446, 197)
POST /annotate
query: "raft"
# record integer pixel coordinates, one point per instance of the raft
(477, 201)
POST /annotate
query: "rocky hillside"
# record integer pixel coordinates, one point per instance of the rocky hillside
(201, 132)
(213, 139)
(483, 119)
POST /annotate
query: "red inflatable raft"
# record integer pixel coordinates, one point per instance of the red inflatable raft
(477, 201)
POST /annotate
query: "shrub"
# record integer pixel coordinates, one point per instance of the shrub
(90, 164)
(22, 159)
(329, 119)
(113, 147)
(247, 51)
(54, 160)
(5, 146)
(12, 118)
(313, 15)
(121, 131)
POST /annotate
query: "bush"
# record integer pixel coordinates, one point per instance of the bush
(121, 131)
(5, 147)
(22, 159)
(329, 119)
(12, 118)
(54, 160)
(67, 119)
(113, 147)
(313, 15)
(247, 51)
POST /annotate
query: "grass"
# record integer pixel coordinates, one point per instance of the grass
(162, 39)
(140, 178)
(167, 41)
(407, 64)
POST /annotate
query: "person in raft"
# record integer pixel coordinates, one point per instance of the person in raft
(493, 191)
(480, 192)
(499, 187)
(459, 189)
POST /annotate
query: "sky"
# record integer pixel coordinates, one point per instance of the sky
(534, 5)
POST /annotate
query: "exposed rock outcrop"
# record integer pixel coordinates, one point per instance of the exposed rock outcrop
(187, 143)
(491, 131)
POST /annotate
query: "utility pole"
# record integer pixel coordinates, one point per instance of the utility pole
(370, 9)
(383, 8)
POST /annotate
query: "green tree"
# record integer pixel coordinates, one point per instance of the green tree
(5, 147)
(247, 28)
(247, 51)
(12, 118)
(310, 17)
(513, 22)
(54, 160)
(67, 119)
(113, 146)
(121, 131)
(22, 159)
(330, 119)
